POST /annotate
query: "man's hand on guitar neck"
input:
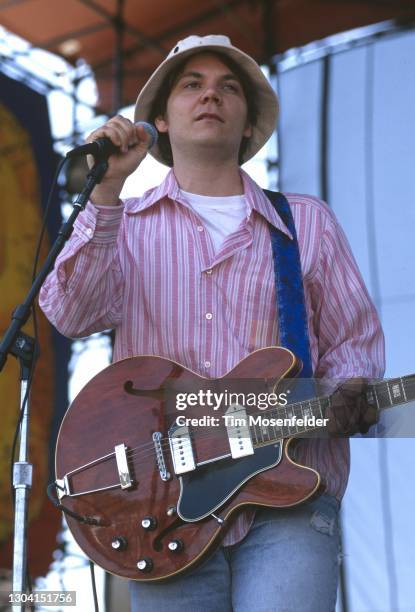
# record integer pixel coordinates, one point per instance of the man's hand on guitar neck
(350, 412)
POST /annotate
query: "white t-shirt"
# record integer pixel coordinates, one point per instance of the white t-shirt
(221, 215)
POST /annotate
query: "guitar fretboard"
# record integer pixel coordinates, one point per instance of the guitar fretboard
(392, 392)
(297, 419)
(384, 394)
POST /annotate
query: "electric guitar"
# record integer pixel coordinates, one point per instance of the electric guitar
(149, 489)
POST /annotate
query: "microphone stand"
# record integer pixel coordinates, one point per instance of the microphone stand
(23, 347)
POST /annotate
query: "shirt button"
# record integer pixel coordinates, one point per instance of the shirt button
(89, 232)
(209, 315)
(207, 364)
(200, 228)
(208, 271)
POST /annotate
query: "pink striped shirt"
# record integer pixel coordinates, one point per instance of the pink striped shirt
(148, 269)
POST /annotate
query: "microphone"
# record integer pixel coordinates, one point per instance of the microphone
(103, 147)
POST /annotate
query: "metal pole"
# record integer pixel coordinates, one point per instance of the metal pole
(22, 482)
(24, 349)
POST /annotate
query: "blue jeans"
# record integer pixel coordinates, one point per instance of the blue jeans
(288, 562)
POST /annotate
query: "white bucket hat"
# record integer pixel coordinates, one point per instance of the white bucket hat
(265, 96)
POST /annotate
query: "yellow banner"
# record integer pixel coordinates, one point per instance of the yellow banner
(20, 222)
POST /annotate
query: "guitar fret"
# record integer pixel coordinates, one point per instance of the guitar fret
(279, 413)
(255, 440)
(273, 415)
(319, 409)
(308, 411)
(376, 398)
(398, 391)
(289, 415)
(264, 433)
(371, 396)
(389, 393)
(403, 390)
(299, 414)
(258, 434)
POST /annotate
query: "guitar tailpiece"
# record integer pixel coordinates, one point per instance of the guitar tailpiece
(88, 520)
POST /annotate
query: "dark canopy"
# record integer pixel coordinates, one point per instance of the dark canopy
(145, 30)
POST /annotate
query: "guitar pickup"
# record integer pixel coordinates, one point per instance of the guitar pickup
(122, 466)
(181, 449)
(239, 434)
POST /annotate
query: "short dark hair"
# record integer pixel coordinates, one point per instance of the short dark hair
(160, 105)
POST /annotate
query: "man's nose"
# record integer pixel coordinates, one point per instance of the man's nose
(211, 93)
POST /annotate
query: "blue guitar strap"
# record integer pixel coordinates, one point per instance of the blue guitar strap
(292, 316)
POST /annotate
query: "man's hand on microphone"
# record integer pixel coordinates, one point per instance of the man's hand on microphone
(133, 142)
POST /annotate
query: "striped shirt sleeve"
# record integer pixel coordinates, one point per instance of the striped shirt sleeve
(89, 298)
(346, 325)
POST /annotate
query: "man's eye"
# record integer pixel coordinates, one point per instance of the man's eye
(230, 87)
(191, 85)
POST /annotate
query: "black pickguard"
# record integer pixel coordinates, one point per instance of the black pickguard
(209, 486)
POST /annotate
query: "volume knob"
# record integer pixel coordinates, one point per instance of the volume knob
(119, 543)
(175, 546)
(149, 523)
(145, 564)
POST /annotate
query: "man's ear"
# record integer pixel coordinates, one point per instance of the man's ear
(161, 124)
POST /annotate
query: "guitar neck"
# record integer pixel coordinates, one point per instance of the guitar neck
(289, 421)
(307, 415)
(392, 392)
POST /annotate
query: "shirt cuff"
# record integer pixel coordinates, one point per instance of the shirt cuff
(99, 224)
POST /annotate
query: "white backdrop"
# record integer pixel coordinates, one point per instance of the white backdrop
(371, 167)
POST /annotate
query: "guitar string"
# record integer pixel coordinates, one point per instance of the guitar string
(165, 441)
(148, 449)
(301, 404)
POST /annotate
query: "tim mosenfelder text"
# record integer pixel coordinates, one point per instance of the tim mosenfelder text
(230, 420)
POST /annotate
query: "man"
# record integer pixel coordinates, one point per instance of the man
(186, 272)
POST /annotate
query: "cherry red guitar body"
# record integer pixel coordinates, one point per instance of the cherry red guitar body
(151, 524)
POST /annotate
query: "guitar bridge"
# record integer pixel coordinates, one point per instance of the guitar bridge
(161, 463)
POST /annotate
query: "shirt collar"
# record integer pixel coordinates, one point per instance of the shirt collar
(258, 201)
(169, 188)
(255, 199)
